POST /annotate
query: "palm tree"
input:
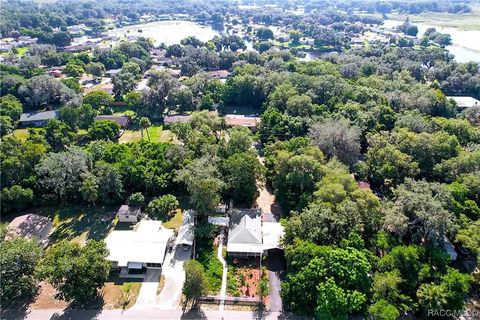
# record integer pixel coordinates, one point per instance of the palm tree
(144, 124)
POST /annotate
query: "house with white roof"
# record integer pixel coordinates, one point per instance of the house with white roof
(134, 251)
(464, 102)
(186, 232)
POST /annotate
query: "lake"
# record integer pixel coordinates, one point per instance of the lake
(465, 44)
(168, 31)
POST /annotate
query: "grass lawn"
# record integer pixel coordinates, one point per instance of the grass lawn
(77, 223)
(120, 292)
(116, 293)
(175, 222)
(156, 133)
(465, 21)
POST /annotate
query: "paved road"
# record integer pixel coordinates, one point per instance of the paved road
(169, 297)
(276, 269)
(139, 314)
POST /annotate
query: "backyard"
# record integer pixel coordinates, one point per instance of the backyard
(156, 134)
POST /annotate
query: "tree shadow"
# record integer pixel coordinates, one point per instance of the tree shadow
(18, 313)
(260, 312)
(71, 313)
(195, 313)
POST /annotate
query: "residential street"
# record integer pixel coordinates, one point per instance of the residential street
(145, 313)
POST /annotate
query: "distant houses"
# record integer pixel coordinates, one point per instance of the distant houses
(37, 119)
(232, 120)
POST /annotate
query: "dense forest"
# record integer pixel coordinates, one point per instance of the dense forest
(375, 169)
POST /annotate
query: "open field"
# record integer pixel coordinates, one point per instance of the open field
(156, 133)
(464, 21)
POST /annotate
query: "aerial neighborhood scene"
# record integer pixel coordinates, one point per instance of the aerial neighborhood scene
(240, 159)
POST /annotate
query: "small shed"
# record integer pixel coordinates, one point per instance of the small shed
(129, 214)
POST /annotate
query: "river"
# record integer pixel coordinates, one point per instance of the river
(465, 44)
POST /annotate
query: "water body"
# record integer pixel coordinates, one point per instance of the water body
(168, 31)
(465, 44)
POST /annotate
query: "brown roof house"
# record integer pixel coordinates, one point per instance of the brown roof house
(31, 226)
(123, 121)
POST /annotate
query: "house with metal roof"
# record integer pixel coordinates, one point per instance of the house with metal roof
(37, 119)
(186, 232)
(132, 252)
(245, 233)
(464, 102)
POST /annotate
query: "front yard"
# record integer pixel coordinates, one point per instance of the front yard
(115, 294)
(156, 133)
(246, 279)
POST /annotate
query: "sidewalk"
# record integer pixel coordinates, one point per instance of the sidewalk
(223, 290)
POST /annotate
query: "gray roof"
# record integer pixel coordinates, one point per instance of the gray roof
(39, 116)
(186, 233)
(126, 210)
(245, 234)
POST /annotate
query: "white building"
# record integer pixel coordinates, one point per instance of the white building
(245, 233)
(129, 214)
(464, 102)
(186, 232)
(133, 251)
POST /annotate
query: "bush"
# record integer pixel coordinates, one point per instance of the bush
(162, 207)
(136, 200)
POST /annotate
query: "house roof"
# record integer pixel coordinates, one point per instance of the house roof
(146, 244)
(245, 234)
(28, 225)
(112, 72)
(186, 233)
(121, 120)
(464, 101)
(272, 232)
(222, 74)
(241, 120)
(178, 118)
(39, 116)
(126, 210)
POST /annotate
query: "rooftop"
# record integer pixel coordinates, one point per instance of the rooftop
(186, 233)
(272, 234)
(127, 210)
(28, 226)
(39, 116)
(245, 234)
(177, 118)
(241, 120)
(146, 244)
(121, 120)
(464, 101)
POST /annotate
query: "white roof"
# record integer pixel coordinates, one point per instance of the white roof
(219, 221)
(146, 244)
(272, 233)
(245, 234)
(464, 101)
(186, 233)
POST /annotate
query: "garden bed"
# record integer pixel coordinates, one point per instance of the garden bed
(246, 279)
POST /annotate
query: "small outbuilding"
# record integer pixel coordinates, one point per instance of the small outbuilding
(129, 214)
(32, 227)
